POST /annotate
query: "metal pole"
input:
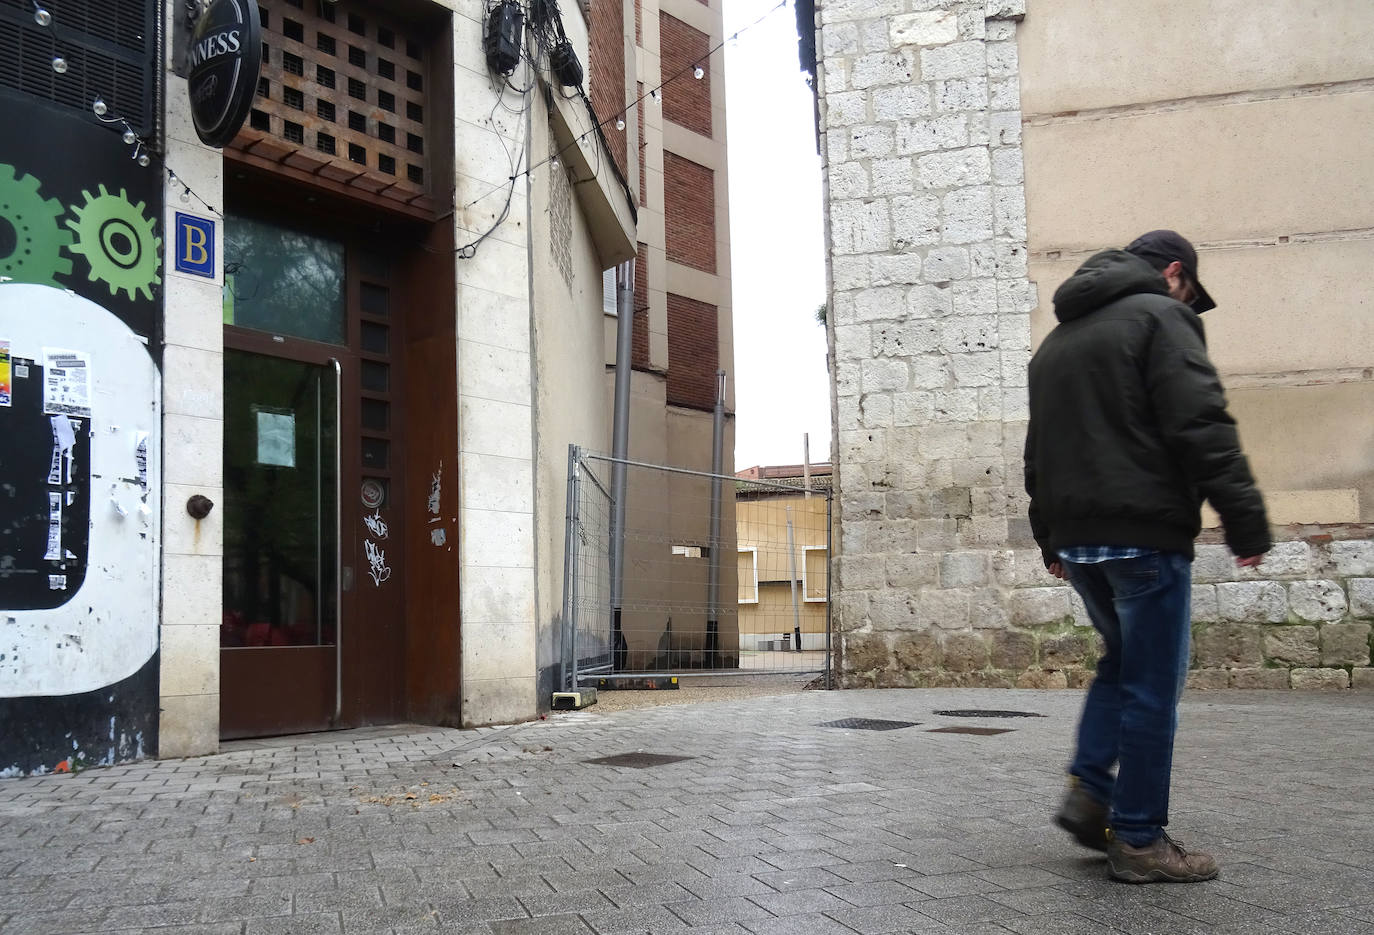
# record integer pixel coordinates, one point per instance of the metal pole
(338, 540)
(565, 654)
(620, 445)
(829, 576)
(717, 466)
(575, 540)
(806, 462)
(792, 580)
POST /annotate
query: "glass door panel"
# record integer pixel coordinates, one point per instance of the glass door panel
(281, 503)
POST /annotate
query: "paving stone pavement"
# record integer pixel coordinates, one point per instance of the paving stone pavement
(771, 825)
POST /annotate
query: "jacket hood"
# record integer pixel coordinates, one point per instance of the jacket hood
(1104, 278)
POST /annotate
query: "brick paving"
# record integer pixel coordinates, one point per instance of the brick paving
(773, 826)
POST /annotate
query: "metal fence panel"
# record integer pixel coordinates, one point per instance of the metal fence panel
(768, 611)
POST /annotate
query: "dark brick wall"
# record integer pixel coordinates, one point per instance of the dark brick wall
(693, 353)
(639, 356)
(686, 100)
(607, 39)
(689, 207)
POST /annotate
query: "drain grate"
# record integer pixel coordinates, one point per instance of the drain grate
(976, 731)
(638, 760)
(986, 712)
(864, 723)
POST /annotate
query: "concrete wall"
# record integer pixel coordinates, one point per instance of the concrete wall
(1236, 131)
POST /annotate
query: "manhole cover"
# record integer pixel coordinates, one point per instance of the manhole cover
(864, 723)
(986, 712)
(976, 731)
(638, 760)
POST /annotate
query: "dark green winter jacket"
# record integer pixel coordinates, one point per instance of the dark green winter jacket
(1128, 425)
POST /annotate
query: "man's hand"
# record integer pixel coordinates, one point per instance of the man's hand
(1057, 569)
(1250, 561)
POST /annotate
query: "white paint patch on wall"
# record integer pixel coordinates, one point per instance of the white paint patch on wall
(108, 627)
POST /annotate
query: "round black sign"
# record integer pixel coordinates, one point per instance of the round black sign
(222, 68)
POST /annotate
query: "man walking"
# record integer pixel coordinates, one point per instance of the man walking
(1128, 434)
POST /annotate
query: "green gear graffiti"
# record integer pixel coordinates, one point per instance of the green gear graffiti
(118, 241)
(38, 239)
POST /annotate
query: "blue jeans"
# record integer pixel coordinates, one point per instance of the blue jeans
(1142, 608)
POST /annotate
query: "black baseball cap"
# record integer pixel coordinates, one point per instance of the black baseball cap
(1169, 246)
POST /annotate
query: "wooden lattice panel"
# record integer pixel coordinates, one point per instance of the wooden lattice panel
(342, 96)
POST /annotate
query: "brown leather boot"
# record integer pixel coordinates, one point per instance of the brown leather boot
(1083, 817)
(1161, 861)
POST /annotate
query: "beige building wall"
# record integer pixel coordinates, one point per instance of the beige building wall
(1247, 130)
(765, 594)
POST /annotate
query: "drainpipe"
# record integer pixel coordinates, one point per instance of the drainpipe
(717, 466)
(620, 448)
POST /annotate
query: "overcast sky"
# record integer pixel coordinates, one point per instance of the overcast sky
(777, 242)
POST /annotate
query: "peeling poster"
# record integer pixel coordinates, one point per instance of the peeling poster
(66, 382)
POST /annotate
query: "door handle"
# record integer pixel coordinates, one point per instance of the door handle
(347, 575)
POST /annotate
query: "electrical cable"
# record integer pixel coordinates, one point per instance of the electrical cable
(652, 92)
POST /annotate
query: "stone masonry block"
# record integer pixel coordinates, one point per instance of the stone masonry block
(861, 573)
(864, 652)
(913, 569)
(860, 227)
(1208, 679)
(1292, 646)
(901, 270)
(988, 610)
(916, 220)
(919, 650)
(1259, 678)
(893, 177)
(964, 651)
(954, 168)
(1345, 644)
(849, 11)
(1041, 678)
(948, 263)
(1253, 601)
(1316, 600)
(933, 27)
(1362, 597)
(1228, 645)
(1352, 559)
(1320, 679)
(891, 105)
(1213, 563)
(925, 136)
(867, 142)
(894, 609)
(961, 94)
(1013, 649)
(965, 569)
(967, 215)
(882, 69)
(1063, 650)
(1204, 603)
(1003, 61)
(1285, 560)
(945, 609)
(957, 60)
(1033, 607)
(1362, 679)
(1006, 9)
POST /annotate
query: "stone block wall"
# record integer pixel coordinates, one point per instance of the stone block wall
(1301, 620)
(937, 581)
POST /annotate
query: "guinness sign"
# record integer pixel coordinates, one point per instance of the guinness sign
(222, 65)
